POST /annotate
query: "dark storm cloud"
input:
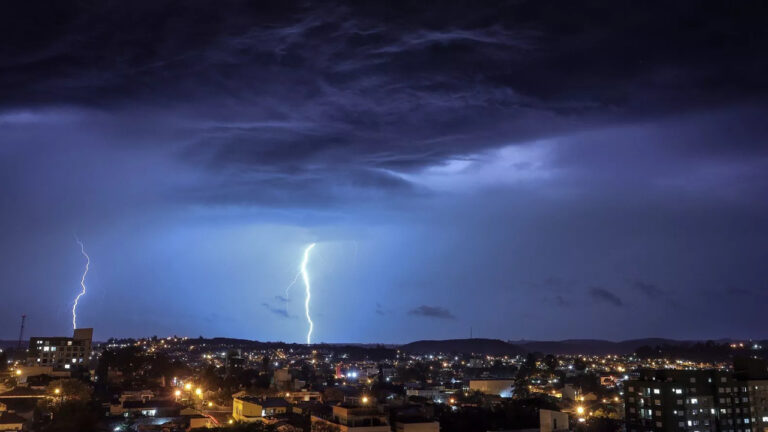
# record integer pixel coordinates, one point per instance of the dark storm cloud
(282, 299)
(647, 289)
(285, 97)
(603, 295)
(432, 312)
(380, 309)
(280, 311)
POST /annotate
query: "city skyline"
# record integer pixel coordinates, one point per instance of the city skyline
(523, 170)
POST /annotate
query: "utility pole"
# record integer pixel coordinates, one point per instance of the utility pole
(21, 331)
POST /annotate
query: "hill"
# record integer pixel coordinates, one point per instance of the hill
(464, 346)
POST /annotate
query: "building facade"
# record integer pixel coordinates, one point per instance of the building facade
(61, 353)
(696, 401)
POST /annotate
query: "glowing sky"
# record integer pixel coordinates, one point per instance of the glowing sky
(528, 169)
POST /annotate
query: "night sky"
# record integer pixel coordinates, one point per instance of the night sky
(530, 169)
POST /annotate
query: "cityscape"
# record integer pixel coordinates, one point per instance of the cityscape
(383, 216)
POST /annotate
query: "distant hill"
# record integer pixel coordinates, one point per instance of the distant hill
(480, 346)
(594, 346)
(569, 346)
(12, 343)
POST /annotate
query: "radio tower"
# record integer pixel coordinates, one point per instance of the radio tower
(21, 331)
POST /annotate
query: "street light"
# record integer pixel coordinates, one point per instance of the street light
(365, 399)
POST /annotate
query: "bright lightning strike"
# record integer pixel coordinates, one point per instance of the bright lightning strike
(82, 283)
(305, 276)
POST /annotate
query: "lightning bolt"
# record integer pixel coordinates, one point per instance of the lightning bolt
(82, 283)
(305, 276)
(288, 288)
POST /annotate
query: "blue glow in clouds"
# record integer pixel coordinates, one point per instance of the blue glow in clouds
(82, 283)
(305, 275)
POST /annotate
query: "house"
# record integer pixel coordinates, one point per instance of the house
(354, 418)
(11, 422)
(416, 424)
(251, 408)
(149, 408)
(500, 387)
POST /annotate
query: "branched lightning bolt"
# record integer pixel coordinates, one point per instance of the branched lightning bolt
(82, 283)
(288, 288)
(305, 275)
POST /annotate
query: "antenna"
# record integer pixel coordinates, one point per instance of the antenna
(21, 331)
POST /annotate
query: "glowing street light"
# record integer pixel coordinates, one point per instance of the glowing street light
(365, 399)
(187, 386)
(580, 410)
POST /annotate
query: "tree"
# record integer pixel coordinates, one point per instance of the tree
(551, 362)
(69, 390)
(324, 427)
(73, 415)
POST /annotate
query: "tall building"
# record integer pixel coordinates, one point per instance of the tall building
(61, 353)
(699, 401)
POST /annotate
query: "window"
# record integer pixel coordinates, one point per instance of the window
(656, 391)
(693, 380)
(658, 424)
(678, 391)
(694, 401)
